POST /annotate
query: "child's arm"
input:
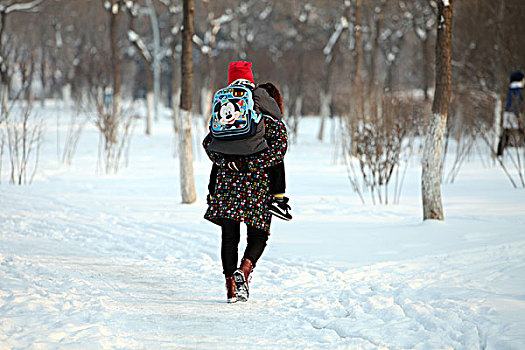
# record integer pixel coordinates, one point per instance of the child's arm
(274, 154)
(216, 158)
(235, 163)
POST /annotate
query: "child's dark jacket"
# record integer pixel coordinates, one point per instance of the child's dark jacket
(263, 103)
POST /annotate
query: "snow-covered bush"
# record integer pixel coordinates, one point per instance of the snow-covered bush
(377, 142)
(21, 132)
(115, 133)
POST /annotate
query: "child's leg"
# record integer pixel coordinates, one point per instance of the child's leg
(279, 206)
(277, 177)
(213, 179)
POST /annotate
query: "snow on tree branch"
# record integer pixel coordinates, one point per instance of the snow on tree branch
(137, 41)
(114, 7)
(224, 18)
(266, 12)
(26, 6)
(341, 25)
(200, 43)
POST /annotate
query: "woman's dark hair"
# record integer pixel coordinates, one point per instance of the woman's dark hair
(274, 93)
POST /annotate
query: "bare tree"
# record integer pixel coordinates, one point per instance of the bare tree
(391, 41)
(24, 136)
(378, 148)
(431, 161)
(148, 58)
(23, 127)
(115, 8)
(289, 50)
(329, 52)
(375, 33)
(187, 183)
(77, 121)
(423, 22)
(358, 29)
(174, 10)
(207, 46)
(7, 7)
(295, 103)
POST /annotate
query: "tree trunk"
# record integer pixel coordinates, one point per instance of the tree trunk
(150, 98)
(207, 91)
(187, 184)
(155, 61)
(498, 108)
(426, 64)
(4, 93)
(116, 67)
(326, 93)
(389, 75)
(372, 83)
(357, 83)
(431, 162)
(43, 74)
(330, 51)
(4, 75)
(175, 80)
(324, 110)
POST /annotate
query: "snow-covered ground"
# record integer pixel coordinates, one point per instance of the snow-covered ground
(115, 261)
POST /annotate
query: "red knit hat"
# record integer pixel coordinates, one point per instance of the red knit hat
(240, 70)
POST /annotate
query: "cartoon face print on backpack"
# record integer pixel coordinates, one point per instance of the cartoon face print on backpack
(229, 113)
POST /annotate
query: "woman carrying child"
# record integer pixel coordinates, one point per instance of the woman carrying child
(240, 189)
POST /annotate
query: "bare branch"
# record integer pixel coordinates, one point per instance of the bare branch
(26, 6)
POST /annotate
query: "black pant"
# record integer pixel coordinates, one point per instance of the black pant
(231, 236)
(276, 177)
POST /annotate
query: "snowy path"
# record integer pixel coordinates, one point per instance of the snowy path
(114, 262)
(73, 281)
(109, 287)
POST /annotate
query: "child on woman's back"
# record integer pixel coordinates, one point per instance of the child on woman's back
(268, 101)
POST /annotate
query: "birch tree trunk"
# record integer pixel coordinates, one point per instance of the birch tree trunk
(175, 79)
(431, 162)
(187, 184)
(116, 66)
(324, 109)
(155, 61)
(330, 50)
(150, 98)
(498, 107)
(4, 75)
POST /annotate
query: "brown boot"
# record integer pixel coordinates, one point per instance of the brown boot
(230, 290)
(241, 277)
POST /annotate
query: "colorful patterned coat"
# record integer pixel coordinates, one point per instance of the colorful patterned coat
(244, 196)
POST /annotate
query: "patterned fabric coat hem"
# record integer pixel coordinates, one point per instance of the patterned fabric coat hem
(244, 196)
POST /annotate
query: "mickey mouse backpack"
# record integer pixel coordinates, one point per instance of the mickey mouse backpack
(233, 116)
